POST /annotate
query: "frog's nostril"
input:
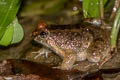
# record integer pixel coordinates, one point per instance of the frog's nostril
(34, 34)
(37, 38)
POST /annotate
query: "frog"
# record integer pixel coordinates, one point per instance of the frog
(87, 43)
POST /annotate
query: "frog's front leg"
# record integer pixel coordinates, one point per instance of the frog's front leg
(68, 60)
(68, 56)
(42, 51)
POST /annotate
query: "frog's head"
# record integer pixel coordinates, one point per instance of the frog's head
(42, 37)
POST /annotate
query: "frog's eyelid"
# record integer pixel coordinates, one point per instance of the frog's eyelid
(46, 36)
(48, 32)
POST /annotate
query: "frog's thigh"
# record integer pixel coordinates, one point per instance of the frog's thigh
(93, 55)
(68, 60)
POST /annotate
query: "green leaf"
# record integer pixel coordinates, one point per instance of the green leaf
(109, 6)
(7, 37)
(105, 1)
(115, 29)
(18, 32)
(8, 10)
(91, 8)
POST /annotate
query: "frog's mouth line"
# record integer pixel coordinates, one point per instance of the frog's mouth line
(44, 42)
(41, 41)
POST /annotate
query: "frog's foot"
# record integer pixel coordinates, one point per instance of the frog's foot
(106, 26)
(104, 61)
(42, 51)
(85, 66)
(108, 57)
(56, 67)
(68, 61)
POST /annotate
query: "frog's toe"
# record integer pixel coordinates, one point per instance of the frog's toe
(104, 61)
(56, 67)
(41, 52)
(66, 67)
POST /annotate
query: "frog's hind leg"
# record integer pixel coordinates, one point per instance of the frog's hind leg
(111, 54)
(42, 51)
(104, 61)
(68, 61)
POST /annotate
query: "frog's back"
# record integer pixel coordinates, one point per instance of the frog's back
(76, 39)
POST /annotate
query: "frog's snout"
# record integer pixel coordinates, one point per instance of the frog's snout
(37, 38)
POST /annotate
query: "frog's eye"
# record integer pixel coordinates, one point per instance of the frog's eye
(44, 34)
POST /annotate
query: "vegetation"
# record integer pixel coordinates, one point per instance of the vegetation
(11, 31)
(9, 26)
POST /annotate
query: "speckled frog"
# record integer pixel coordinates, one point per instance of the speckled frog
(86, 43)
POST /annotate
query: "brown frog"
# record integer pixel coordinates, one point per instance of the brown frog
(86, 43)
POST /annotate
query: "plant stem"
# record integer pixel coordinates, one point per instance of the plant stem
(116, 5)
(115, 29)
(101, 9)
